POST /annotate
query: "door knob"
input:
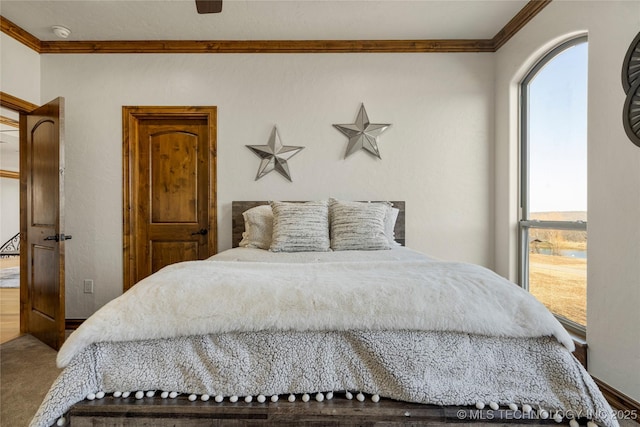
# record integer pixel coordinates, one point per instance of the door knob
(203, 232)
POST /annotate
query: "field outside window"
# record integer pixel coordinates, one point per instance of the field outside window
(558, 271)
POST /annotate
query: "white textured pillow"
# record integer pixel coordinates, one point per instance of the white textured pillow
(390, 225)
(258, 227)
(300, 227)
(358, 226)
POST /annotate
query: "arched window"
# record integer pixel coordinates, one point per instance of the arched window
(553, 191)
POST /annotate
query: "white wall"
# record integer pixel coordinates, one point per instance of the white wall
(437, 155)
(613, 295)
(19, 70)
(19, 76)
(10, 208)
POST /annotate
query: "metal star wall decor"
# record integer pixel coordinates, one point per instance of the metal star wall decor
(362, 134)
(274, 156)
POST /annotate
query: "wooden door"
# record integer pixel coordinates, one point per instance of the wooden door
(42, 201)
(170, 203)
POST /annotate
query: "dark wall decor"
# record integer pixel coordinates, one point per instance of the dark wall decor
(631, 85)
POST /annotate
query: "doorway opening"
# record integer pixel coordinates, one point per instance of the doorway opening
(9, 225)
(41, 220)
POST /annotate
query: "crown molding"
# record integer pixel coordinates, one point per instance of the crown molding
(17, 33)
(9, 174)
(525, 15)
(9, 122)
(16, 104)
(268, 46)
(531, 9)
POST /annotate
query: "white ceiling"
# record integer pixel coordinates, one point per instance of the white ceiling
(254, 20)
(263, 19)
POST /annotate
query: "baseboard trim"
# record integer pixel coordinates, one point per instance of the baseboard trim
(73, 324)
(617, 399)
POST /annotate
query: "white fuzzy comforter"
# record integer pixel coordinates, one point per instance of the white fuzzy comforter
(207, 297)
(395, 323)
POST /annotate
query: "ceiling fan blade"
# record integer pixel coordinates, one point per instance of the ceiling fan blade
(209, 6)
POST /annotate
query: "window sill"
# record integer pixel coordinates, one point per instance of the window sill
(581, 349)
(575, 330)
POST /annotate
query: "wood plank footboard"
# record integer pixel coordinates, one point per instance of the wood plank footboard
(336, 412)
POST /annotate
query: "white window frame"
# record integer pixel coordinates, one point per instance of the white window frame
(526, 223)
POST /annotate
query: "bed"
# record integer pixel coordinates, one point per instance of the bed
(336, 324)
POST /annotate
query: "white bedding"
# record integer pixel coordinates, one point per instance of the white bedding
(441, 368)
(398, 253)
(393, 322)
(411, 292)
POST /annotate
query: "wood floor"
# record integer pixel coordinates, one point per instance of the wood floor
(9, 306)
(9, 314)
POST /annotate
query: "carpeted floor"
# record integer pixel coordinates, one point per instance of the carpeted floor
(27, 370)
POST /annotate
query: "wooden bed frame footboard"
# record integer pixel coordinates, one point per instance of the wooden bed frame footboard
(339, 411)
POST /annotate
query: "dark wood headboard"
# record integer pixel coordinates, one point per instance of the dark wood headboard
(237, 208)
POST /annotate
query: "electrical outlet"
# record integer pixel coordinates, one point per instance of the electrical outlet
(88, 286)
